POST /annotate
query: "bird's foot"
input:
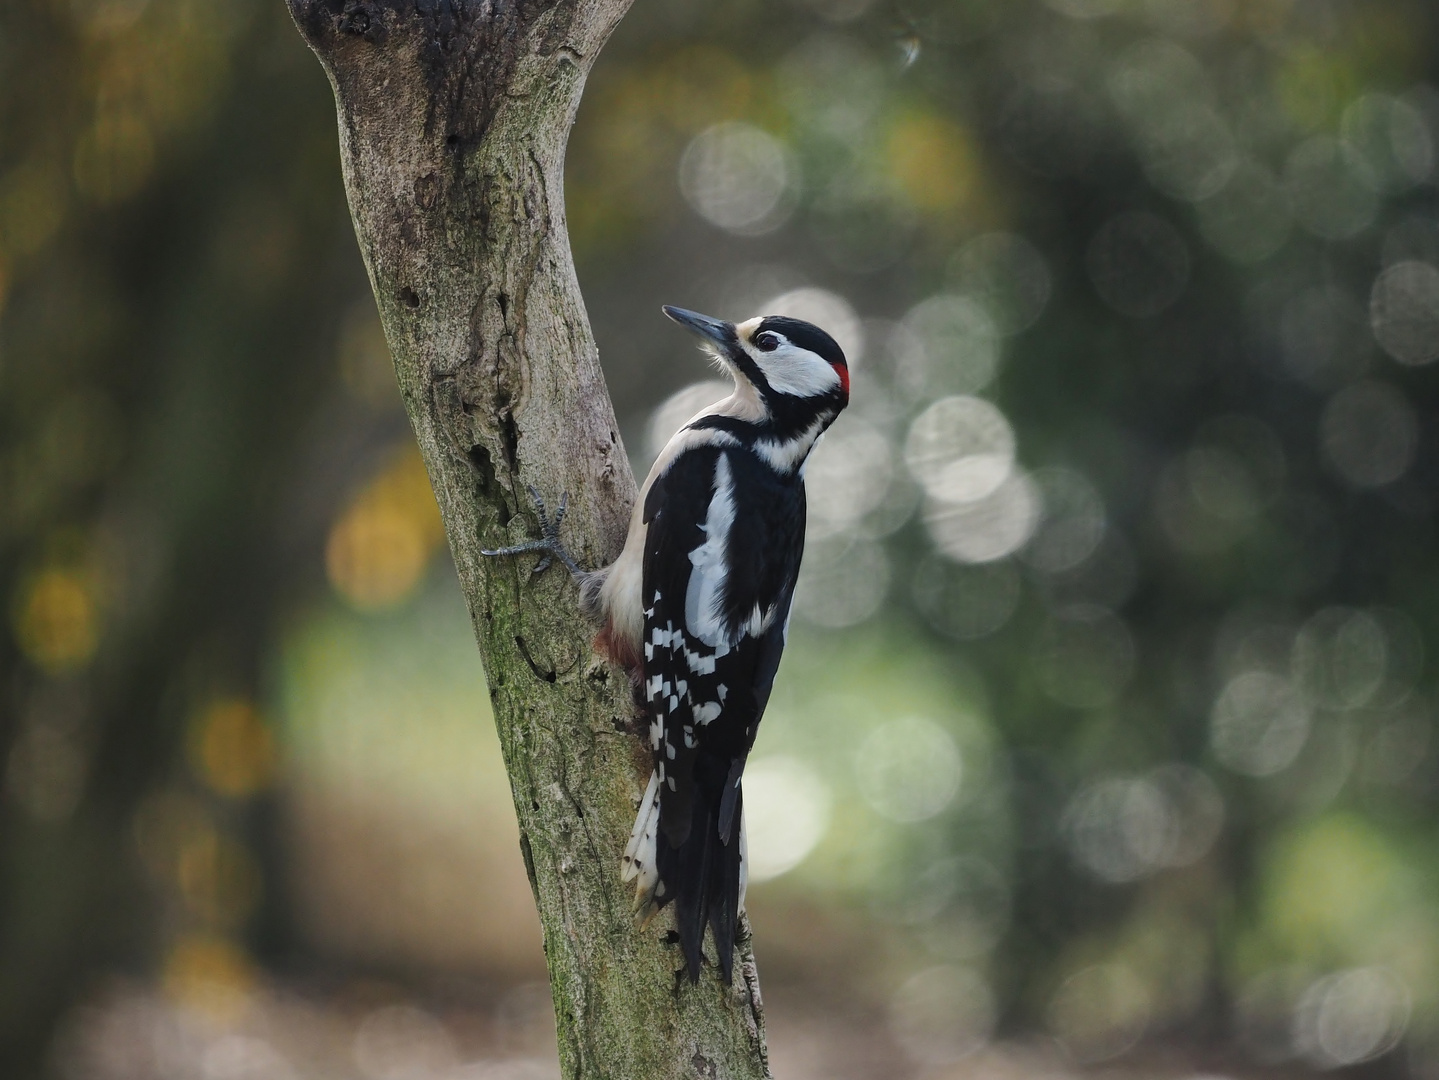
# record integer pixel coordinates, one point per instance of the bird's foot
(549, 542)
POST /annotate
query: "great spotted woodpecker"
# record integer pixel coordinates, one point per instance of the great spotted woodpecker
(697, 608)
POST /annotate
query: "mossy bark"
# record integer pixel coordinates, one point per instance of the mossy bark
(453, 119)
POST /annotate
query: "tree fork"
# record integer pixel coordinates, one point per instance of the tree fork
(453, 121)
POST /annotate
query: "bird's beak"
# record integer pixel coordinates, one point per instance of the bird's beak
(716, 330)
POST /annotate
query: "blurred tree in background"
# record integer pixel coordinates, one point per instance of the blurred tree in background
(1109, 712)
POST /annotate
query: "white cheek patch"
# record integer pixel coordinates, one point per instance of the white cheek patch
(795, 371)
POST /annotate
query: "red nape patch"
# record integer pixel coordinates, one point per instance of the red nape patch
(843, 372)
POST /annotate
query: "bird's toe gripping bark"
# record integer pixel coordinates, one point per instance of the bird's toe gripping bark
(549, 542)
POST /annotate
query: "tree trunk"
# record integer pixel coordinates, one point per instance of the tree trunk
(453, 119)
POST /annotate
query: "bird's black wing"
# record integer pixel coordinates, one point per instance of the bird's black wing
(722, 549)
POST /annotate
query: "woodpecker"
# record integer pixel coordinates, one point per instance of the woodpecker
(697, 608)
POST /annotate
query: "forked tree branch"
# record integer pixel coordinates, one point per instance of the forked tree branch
(454, 115)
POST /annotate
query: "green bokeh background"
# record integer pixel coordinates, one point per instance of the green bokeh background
(1127, 747)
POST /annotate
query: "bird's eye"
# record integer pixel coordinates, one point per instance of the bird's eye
(766, 342)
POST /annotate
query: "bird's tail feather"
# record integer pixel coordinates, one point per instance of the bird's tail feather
(639, 863)
(725, 889)
(704, 875)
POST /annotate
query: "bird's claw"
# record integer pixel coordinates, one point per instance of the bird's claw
(549, 541)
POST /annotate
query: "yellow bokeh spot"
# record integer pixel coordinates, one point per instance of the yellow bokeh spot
(379, 548)
(933, 162)
(209, 975)
(56, 621)
(232, 748)
(113, 157)
(219, 879)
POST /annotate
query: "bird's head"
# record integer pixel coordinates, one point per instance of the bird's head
(798, 371)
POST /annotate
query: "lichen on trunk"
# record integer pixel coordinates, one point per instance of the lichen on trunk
(453, 120)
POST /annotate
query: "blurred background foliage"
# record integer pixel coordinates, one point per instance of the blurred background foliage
(1106, 734)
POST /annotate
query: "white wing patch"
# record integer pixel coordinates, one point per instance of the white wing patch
(704, 598)
(706, 712)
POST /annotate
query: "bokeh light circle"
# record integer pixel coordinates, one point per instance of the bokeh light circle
(1154, 78)
(847, 477)
(961, 906)
(1369, 434)
(954, 347)
(787, 811)
(1121, 828)
(1404, 311)
(1259, 724)
(1072, 524)
(738, 178)
(1195, 809)
(989, 528)
(1118, 829)
(1331, 188)
(1249, 218)
(1008, 275)
(942, 1015)
(960, 449)
(1188, 153)
(1099, 1012)
(843, 581)
(1351, 1016)
(1392, 137)
(909, 769)
(1340, 658)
